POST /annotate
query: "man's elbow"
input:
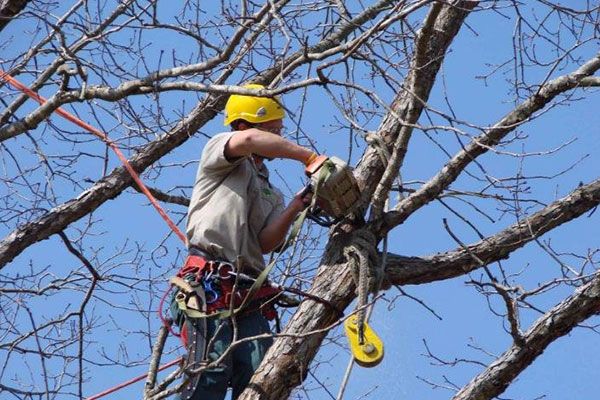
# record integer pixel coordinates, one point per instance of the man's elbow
(268, 243)
(266, 246)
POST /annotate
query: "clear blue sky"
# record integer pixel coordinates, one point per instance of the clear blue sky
(565, 370)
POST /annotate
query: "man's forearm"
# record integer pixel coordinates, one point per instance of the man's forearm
(265, 144)
(273, 234)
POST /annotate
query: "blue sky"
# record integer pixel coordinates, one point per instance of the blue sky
(565, 370)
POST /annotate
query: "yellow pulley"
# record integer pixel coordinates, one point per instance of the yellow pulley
(369, 353)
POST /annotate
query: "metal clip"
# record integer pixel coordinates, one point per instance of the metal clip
(224, 271)
(211, 294)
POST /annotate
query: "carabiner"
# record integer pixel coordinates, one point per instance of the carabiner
(224, 271)
(211, 294)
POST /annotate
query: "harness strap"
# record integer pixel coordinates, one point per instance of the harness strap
(324, 173)
(192, 297)
(196, 264)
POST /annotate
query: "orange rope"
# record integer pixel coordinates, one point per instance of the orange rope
(110, 143)
(131, 381)
(136, 178)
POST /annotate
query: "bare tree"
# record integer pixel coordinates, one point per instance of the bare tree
(384, 85)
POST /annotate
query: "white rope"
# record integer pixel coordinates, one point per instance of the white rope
(352, 252)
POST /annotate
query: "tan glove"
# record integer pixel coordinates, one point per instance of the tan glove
(313, 163)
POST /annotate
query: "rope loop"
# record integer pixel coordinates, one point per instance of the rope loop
(365, 262)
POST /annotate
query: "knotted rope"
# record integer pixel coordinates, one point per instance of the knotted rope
(367, 272)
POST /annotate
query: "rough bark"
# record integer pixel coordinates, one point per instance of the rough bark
(9, 9)
(287, 362)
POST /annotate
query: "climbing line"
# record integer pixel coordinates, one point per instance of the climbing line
(366, 272)
(132, 381)
(134, 175)
(363, 286)
(138, 181)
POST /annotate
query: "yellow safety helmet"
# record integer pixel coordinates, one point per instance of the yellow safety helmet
(253, 109)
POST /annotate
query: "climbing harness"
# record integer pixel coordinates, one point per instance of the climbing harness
(212, 288)
(365, 345)
(191, 308)
(208, 288)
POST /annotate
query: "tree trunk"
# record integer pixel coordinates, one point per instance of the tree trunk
(286, 364)
(9, 9)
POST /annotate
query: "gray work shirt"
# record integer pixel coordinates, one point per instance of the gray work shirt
(231, 203)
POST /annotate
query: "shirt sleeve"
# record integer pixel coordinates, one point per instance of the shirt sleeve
(213, 156)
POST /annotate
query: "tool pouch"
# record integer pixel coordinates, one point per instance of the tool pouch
(336, 188)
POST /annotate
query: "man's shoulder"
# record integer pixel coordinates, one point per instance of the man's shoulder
(215, 144)
(222, 136)
(213, 159)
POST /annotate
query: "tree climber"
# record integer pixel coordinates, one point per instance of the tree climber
(235, 216)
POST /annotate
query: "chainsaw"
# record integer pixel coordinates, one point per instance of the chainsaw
(333, 184)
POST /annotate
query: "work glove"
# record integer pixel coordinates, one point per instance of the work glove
(313, 163)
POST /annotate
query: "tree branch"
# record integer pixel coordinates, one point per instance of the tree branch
(558, 322)
(165, 197)
(481, 144)
(590, 81)
(402, 270)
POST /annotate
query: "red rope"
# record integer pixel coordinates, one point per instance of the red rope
(131, 381)
(167, 323)
(110, 143)
(70, 117)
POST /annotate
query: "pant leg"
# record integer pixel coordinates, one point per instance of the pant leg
(213, 382)
(247, 356)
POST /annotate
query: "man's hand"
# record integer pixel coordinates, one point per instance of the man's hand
(302, 199)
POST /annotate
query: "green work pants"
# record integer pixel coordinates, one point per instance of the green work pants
(240, 364)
